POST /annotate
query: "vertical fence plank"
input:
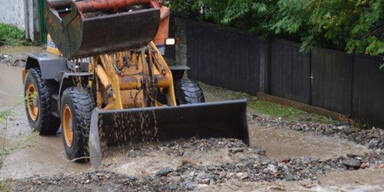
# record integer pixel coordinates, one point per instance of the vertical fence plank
(223, 57)
(368, 90)
(265, 56)
(290, 71)
(332, 83)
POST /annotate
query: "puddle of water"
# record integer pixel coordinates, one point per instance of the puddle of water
(360, 177)
(351, 181)
(349, 188)
(283, 143)
(289, 186)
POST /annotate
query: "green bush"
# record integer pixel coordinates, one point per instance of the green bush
(11, 35)
(355, 26)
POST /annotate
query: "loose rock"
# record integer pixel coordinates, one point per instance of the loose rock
(352, 163)
(164, 172)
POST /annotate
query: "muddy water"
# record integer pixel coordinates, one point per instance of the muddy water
(367, 180)
(303, 186)
(284, 143)
(361, 180)
(352, 181)
(34, 154)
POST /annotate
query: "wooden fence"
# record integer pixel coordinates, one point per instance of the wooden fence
(348, 84)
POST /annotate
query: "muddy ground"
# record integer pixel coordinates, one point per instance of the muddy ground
(284, 155)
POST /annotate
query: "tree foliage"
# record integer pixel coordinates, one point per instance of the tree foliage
(356, 26)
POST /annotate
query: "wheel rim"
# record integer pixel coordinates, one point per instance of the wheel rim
(67, 126)
(32, 97)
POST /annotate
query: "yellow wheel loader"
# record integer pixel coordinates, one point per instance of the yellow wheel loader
(104, 81)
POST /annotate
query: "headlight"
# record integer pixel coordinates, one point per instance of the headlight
(170, 41)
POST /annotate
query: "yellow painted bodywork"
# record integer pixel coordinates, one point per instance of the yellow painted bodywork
(124, 88)
(116, 90)
(51, 47)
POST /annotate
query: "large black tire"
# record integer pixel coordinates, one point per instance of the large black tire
(188, 92)
(45, 123)
(81, 105)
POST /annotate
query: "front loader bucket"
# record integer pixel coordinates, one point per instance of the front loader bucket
(81, 35)
(206, 120)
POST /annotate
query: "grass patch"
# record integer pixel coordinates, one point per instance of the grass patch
(11, 35)
(264, 107)
(277, 110)
(3, 187)
(4, 114)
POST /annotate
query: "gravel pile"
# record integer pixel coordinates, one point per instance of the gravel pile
(180, 147)
(373, 138)
(188, 176)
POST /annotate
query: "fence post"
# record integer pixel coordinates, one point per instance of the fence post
(265, 60)
(181, 48)
(42, 27)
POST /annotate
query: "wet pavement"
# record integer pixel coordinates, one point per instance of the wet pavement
(11, 89)
(44, 156)
(41, 155)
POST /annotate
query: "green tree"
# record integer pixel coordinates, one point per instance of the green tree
(355, 26)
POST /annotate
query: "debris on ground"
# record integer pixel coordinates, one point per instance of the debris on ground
(188, 176)
(15, 61)
(373, 138)
(16, 56)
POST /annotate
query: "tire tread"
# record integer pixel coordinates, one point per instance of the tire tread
(83, 107)
(48, 124)
(188, 92)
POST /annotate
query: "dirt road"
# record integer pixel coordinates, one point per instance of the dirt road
(278, 159)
